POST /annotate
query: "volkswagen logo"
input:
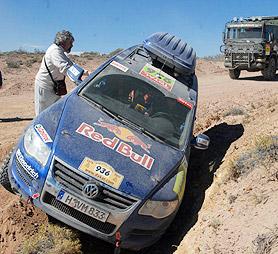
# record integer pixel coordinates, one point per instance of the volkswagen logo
(91, 190)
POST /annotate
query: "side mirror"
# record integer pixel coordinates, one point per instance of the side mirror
(201, 142)
(75, 73)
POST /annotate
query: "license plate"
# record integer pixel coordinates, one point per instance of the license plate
(82, 206)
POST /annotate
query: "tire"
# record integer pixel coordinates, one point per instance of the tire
(270, 70)
(4, 178)
(234, 73)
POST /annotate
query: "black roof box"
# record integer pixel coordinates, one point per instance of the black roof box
(172, 51)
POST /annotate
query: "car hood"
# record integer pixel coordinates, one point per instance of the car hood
(99, 146)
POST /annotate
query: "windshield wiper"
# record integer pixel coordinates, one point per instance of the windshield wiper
(141, 129)
(102, 108)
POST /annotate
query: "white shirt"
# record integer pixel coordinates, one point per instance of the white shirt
(58, 64)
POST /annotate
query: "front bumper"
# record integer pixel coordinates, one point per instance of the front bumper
(137, 231)
(244, 61)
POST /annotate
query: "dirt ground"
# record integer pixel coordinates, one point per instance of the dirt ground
(220, 213)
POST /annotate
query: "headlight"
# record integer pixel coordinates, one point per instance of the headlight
(35, 147)
(158, 209)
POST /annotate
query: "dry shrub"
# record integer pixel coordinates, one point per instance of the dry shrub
(31, 61)
(263, 153)
(267, 243)
(234, 112)
(13, 63)
(52, 239)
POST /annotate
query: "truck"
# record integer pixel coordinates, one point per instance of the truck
(251, 44)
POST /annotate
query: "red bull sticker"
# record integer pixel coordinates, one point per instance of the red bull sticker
(158, 76)
(102, 171)
(119, 66)
(124, 134)
(43, 133)
(185, 103)
(117, 143)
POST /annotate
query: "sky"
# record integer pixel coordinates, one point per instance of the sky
(105, 25)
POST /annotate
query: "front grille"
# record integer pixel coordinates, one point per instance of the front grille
(26, 178)
(240, 57)
(104, 227)
(75, 181)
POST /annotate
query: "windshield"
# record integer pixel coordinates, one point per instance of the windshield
(244, 32)
(132, 100)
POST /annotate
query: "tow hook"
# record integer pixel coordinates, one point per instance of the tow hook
(117, 249)
(30, 200)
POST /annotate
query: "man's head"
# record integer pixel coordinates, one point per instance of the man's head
(65, 40)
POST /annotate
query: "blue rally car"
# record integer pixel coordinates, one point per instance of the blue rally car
(110, 158)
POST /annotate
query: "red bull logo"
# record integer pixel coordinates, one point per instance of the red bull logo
(124, 134)
(115, 144)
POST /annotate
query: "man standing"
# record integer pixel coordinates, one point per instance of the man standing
(53, 69)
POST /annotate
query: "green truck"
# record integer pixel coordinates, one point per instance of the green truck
(251, 44)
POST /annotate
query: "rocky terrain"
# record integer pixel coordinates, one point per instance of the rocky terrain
(230, 203)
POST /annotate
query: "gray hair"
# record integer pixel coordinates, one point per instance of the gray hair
(62, 37)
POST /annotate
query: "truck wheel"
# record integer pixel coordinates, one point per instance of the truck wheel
(4, 178)
(234, 73)
(270, 70)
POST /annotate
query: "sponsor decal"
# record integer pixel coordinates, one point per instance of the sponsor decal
(185, 103)
(179, 185)
(35, 195)
(267, 49)
(119, 66)
(116, 144)
(28, 169)
(43, 133)
(124, 134)
(158, 76)
(102, 171)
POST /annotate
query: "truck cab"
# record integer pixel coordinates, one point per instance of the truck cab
(251, 44)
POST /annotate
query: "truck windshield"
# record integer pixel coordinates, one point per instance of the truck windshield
(244, 32)
(133, 99)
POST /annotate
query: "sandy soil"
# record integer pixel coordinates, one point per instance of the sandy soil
(218, 215)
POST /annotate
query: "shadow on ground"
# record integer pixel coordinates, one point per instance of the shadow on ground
(203, 165)
(259, 78)
(15, 119)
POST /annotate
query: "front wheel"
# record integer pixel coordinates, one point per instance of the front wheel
(234, 73)
(270, 70)
(4, 178)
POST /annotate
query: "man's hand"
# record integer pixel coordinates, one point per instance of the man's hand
(86, 73)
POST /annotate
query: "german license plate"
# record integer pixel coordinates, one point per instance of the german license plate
(82, 206)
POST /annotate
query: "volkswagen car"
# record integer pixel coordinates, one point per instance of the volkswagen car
(110, 158)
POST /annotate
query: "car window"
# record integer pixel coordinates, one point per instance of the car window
(139, 102)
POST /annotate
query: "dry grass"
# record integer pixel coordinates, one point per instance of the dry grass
(267, 243)
(234, 112)
(263, 153)
(52, 239)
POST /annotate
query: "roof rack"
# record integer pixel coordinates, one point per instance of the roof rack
(253, 18)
